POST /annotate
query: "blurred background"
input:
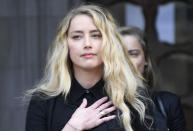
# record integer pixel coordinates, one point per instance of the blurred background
(27, 28)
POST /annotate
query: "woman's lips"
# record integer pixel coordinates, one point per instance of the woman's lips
(88, 55)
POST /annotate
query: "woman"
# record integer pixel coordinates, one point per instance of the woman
(89, 82)
(168, 111)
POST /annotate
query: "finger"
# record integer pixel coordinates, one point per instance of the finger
(106, 111)
(83, 104)
(105, 119)
(104, 106)
(98, 102)
(109, 110)
(101, 114)
(108, 118)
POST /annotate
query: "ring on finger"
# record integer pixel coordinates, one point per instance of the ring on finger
(100, 109)
(102, 113)
(103, 120)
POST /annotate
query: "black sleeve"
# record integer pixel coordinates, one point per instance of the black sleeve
(36, 115)
(176, 120)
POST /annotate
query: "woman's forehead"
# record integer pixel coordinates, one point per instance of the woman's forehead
(132, 42)
(82, 21)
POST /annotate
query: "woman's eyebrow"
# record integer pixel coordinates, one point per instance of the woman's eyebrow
(79, 31)
(93, 31)
(76, 31)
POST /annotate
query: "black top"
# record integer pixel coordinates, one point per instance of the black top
(52, 114)
(173, 118)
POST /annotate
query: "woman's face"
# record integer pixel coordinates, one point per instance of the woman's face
(84, 43)
(135, 51)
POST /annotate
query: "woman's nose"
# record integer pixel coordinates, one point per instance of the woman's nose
(87, 42)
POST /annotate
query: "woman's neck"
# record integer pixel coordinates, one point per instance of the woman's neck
(88, 78)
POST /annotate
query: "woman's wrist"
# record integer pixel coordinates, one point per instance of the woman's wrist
(72, 126)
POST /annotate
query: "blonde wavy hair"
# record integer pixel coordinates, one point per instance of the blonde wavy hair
(121, 78)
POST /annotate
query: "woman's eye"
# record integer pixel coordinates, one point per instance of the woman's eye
(96, 36)
(133, 53)
(76, 37)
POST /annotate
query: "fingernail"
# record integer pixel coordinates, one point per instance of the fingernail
(105, 97)
(114, 116)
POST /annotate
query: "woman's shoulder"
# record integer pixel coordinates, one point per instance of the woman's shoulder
(42, 100)
(166, 96)
(42, 97)
(171, 102)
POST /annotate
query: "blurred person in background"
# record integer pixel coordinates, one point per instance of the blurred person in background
(168, 113)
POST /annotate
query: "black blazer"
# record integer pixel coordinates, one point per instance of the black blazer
(173, 119)
(53, 113)
(40, 114)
